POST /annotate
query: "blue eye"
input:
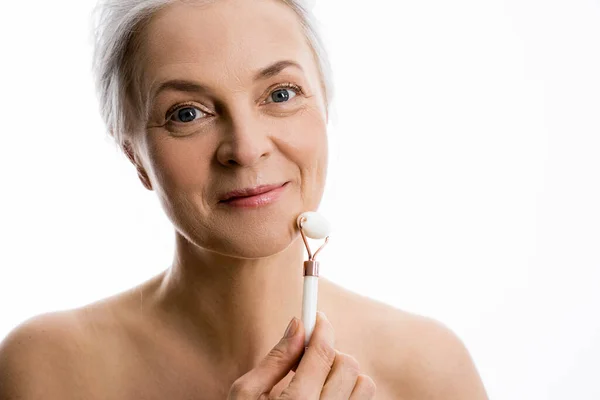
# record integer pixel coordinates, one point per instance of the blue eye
(282, 95)
(187, 114)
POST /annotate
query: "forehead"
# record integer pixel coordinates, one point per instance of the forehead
(221, 40)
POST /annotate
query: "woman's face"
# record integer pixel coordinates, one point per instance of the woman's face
(215, 124)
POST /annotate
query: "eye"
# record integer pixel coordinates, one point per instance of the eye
(186, 114)
(282, 94)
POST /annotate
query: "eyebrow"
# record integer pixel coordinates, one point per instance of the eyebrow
(182, 85)
(275, 68)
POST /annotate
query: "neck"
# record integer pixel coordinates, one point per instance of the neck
(233, 308)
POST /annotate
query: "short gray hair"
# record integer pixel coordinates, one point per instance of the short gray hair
(115, 23)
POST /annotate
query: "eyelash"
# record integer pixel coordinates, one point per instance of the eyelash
(286, 85)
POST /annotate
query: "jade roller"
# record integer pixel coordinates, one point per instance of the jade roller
(314, 226)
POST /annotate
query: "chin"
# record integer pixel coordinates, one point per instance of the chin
(244, 234)
(259, 239)
(255, 246)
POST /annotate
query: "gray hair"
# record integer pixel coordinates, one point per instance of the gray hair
(115, 23)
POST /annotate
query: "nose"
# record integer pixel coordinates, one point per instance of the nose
(246, 140)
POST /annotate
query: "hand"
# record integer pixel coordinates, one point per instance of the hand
(322, 372)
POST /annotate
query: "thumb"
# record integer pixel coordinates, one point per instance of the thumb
(276, 365)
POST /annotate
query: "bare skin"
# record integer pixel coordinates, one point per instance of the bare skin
(235, 281)
(121, 348)
(153, 358)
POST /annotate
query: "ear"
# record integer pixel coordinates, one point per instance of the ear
(130, 153)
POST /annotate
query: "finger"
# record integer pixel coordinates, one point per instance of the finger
(342, 378)
(364, 389)
(295, 367)
(271, 369)
(316, 362)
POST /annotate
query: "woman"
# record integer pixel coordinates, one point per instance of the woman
(206, 98)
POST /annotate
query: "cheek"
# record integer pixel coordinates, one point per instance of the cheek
(178, 163)
(314, 138)
(306, 145)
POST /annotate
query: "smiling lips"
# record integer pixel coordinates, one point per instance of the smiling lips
(254, 197)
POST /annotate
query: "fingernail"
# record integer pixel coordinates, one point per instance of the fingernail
(291, 329)
(323, 315)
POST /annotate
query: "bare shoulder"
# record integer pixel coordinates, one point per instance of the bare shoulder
(412, 356)
(38, 355)
(427, 360)
(59, 355)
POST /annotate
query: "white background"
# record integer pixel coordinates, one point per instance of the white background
(465, 172)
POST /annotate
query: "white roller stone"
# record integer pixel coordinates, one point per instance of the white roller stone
(315, 226)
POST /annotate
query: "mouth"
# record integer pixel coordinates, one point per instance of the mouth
(248, 192)
(254, 197)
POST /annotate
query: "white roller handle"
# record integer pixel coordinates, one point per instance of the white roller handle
(309, 306)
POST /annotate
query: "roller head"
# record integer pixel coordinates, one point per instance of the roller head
(315, 226)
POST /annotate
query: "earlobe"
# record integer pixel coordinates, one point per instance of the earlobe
(144, 178)
(128, 150)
